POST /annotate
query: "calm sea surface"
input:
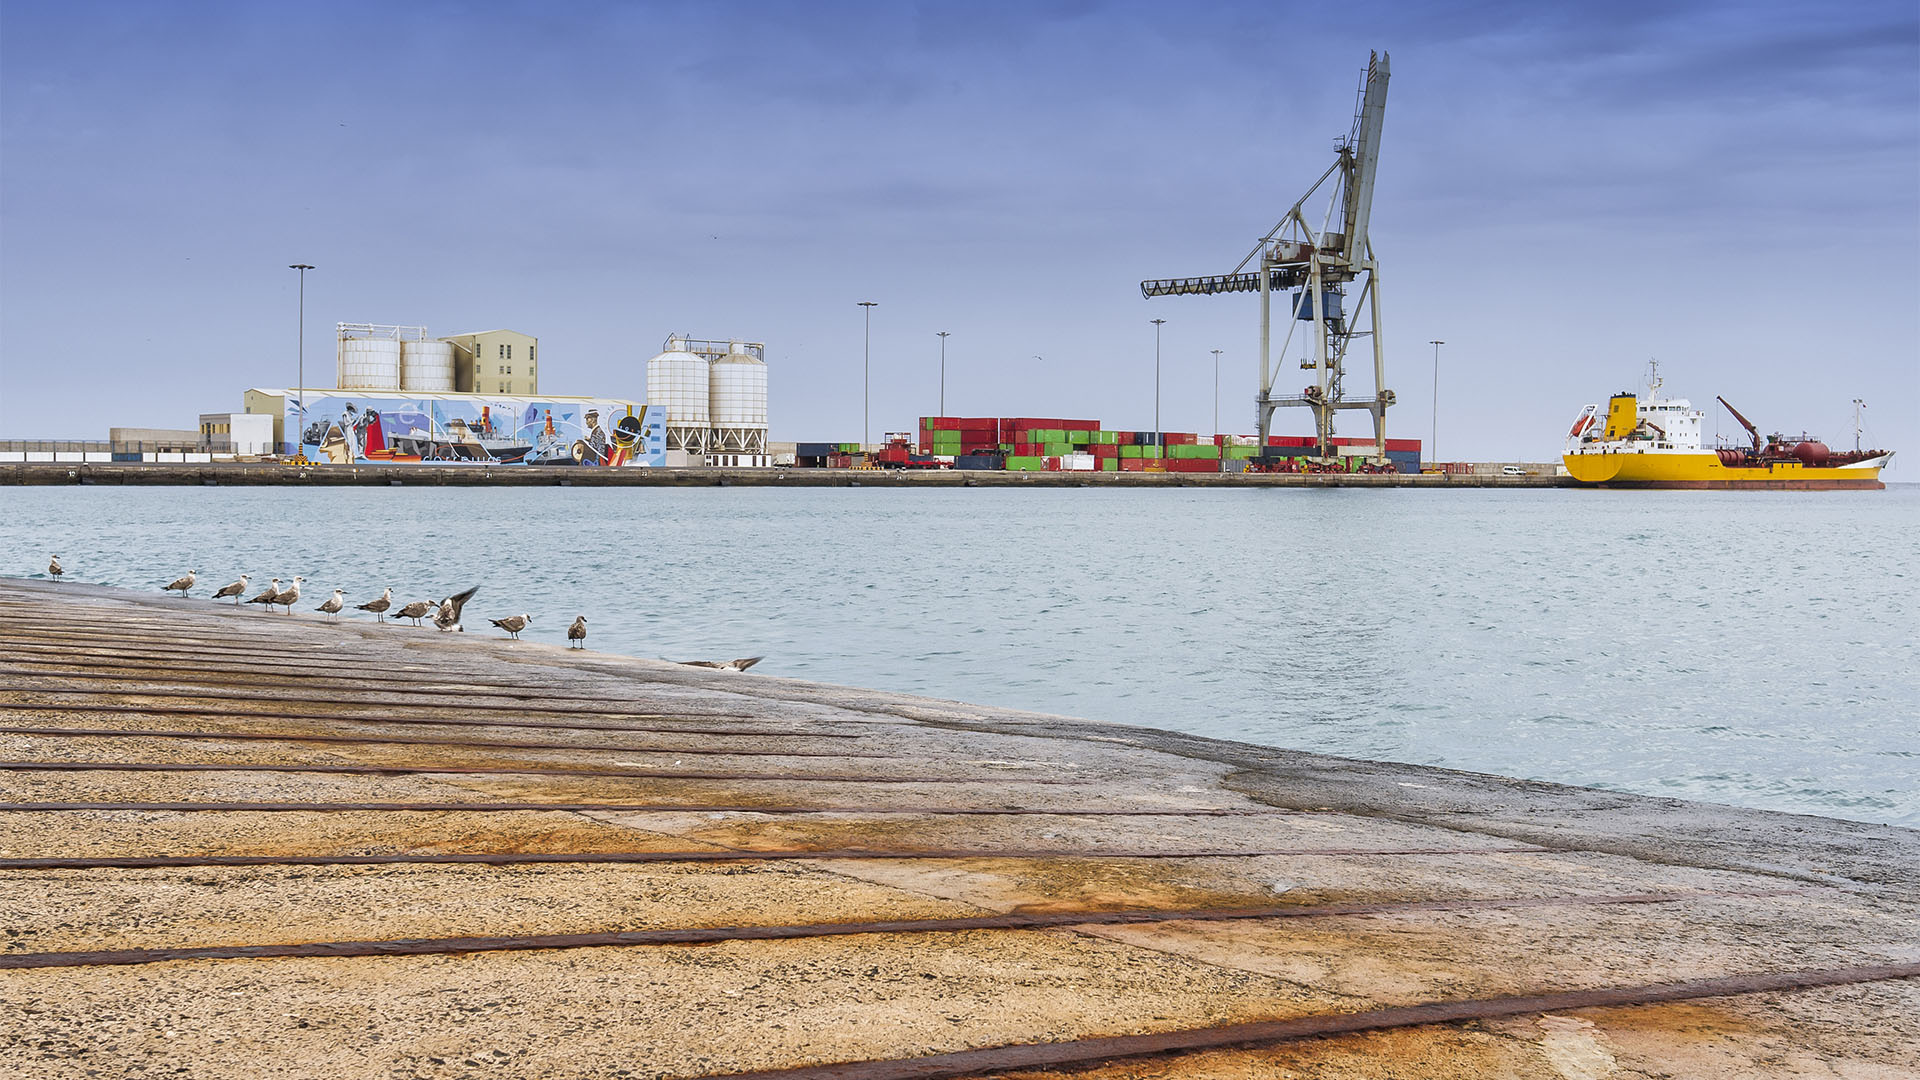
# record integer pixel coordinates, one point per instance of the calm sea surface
(1760, 649)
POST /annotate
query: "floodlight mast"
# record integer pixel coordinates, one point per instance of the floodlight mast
(1321, 264)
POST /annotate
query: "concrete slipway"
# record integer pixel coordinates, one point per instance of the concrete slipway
(235, 843)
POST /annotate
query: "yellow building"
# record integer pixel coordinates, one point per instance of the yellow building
(495, 362)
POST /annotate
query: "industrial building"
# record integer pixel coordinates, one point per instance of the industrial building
(403, 396)
(712, 397)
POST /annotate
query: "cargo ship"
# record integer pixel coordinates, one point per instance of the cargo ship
(1655, 443)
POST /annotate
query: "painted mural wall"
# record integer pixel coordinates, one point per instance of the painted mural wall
(355, 428)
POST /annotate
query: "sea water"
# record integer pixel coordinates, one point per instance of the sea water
(1760, 649)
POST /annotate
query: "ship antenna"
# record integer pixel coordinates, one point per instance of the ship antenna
(1858, 404)
(1653, 378)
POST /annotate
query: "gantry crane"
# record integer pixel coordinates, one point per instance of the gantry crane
(1320, 267)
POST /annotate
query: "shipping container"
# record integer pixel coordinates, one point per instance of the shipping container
(1023, 463)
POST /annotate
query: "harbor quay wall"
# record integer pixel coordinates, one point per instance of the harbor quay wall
(230, 837)
(130, 473)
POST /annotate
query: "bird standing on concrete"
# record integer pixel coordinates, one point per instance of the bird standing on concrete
(292, 594)
(181, 585)
(378, 607)
(269, 595)
(724, 665)
(233, 589)
(448, 617)
(332, 605)
(413, 611)
(513, 624)
(577, 633)
(56, 569)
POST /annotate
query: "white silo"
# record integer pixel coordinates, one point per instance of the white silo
(738, 380)
(426, 366)
(369, 357)
(677, 388)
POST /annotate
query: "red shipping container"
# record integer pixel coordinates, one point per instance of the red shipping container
(1133, 464)
(1289, 440)
(1053, 464)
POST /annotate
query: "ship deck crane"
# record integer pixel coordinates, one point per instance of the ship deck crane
(1321, 265)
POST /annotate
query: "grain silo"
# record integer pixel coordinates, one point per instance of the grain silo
(426, 366)
(738, 382)
(369, 357)
(677, 389)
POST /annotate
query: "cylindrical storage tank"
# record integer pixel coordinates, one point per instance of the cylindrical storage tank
(426, 366)
(369, 364)
(739, 390)
(739, 384)
(678, 389)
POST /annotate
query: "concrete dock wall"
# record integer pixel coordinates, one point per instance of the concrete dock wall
(546, 476)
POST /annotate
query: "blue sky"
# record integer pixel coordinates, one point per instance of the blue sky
(1564, 191)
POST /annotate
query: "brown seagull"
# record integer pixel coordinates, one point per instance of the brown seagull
(233, 589)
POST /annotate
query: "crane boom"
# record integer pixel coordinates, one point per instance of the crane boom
(1744, 422)
(1366, 156)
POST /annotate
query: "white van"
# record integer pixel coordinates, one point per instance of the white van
(1512, 470)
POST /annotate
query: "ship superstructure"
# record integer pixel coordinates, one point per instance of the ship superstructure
(1655, 442)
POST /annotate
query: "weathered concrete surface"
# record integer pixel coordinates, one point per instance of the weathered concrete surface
(241, 474)
(1075, 810)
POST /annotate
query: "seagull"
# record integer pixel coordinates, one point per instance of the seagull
(577, 633)
(181, 585)
(448, 617)
(413, 611)
(332, 604)
(724, 665)
(56, 569)
(291, 595)
(378, 606)
(233, 589)
(268, 596)
(513, 624)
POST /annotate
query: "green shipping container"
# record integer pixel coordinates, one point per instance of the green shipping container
(1026, 464)
(1058, 449)
(1109, 464)
(1242, 453)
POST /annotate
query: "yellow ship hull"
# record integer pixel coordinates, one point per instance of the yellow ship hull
(1704, 471)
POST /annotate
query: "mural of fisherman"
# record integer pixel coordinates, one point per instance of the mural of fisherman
(375, 430)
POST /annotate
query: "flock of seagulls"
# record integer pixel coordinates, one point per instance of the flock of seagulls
(445, 614)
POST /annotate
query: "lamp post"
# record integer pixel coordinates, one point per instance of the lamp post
(1216, 392)
(300, 378)
(1157, 323)
(1433, 438)
(866, 378)
(943, 371)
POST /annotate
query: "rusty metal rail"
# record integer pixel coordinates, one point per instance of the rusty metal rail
(654, 808)
(554, 725)
(405, 740)
(502, 770)
(710, 935)
(451, 701)
(517, 858)
(1079, 1053)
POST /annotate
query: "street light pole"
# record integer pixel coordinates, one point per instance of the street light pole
(300, 378)
(1433, 438)
(1157, 438)
(1216, 392)
(866, 379)
(943, 372)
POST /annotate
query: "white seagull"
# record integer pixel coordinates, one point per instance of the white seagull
(448, 617)
(414, 611)
(724, 665)
(378, 607)
(181, 585)
(291, 596)
(233, 589)
(513, 624)
(56, 569)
